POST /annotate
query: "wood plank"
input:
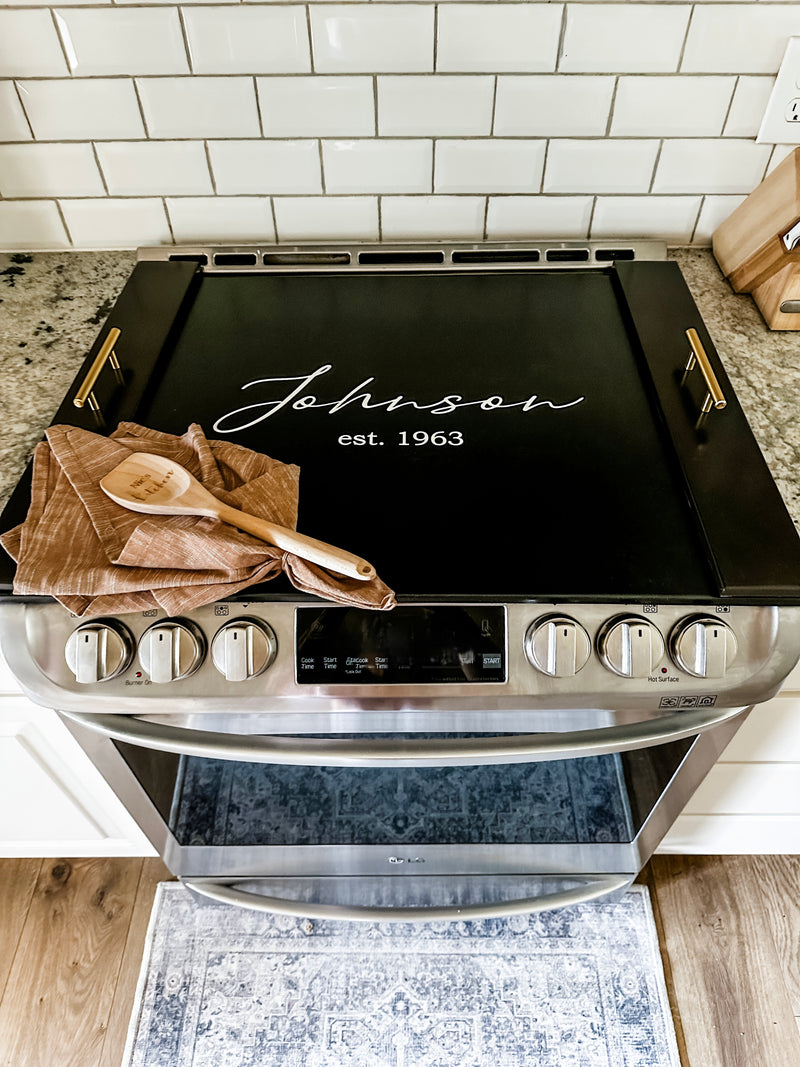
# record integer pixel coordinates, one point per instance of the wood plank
(727, 976)
(17, 883)
(647, 876)
(779, 878)
(153, 872)
(61, 984)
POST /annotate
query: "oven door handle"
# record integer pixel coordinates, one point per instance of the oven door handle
(407, 752)
(592, 887)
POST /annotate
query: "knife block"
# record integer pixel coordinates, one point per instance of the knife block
(758, 249)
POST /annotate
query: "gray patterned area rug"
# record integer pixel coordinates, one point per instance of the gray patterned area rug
(227, 987)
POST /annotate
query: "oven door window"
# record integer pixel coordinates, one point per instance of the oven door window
(591, 800)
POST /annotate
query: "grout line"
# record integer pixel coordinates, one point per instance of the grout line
(375, 102)
(274, 218)
(169, 218)
(685, 40)
(258, 108)
(18, 91)
(434, 151)
(494, 105)
(321, 165)
(486, 219)
(310, 40)
(380, 217)
(100, 167)
(561, 36)
(185, 38)
(612, 106)
(62, 42)
(591, 218)
(141, 109)
(435, 36)
(63, 218)
(697, 219)
(210, 166)
(729, 108)
(655, 165)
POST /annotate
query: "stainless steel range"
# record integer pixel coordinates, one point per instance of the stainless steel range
(540, 451)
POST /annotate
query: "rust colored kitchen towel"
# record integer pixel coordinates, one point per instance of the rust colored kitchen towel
(98, 558)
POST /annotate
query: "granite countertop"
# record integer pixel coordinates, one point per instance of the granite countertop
(53, 306)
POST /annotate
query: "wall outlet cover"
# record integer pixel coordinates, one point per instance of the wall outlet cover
(781, 123)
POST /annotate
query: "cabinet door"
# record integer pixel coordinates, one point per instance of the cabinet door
(53, 802)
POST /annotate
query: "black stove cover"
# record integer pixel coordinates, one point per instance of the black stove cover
(477, 435)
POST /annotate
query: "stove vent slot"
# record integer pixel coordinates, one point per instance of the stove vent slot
(498, 255)
(300, 259)
(188, 257)
(411, 256)
(235, 259)
(608, 255)
(567, 255)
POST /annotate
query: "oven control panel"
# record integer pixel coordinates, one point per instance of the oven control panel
(320, 657)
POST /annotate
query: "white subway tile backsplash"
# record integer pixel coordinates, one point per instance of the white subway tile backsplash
(739, 38)
(82, 109)
(671, 106)
(357, 38)
(123, 40)
(621, 38)
(248, 39)
(518, 217)
(317, 106)
(329, 218)
(441, 105)
(715, 210)
(375, 166)
(718, 166)
(42, 170)
(112, 223)
(265, 166)
(748, 106)
(221, 218)
(600, 166)
(29, 45)
(553, 105)
(199, 107)
(667, 218)
(13, 124)
(434, 217)
(155, 168)
(489, 165)
(31, 224)
(498, 37)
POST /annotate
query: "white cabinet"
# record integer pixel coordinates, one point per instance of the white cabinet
(750, 800)
(53, 802)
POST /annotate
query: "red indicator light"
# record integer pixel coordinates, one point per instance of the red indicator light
(663, 670)
(138, 674)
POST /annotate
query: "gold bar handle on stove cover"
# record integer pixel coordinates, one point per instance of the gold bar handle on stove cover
(715, 398)
(106, 354)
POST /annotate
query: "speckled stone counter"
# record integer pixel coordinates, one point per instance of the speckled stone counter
(53, 305)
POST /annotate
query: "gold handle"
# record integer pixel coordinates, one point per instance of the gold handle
(106, 353)
(697, 356)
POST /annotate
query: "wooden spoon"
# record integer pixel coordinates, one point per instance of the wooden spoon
(155, 485)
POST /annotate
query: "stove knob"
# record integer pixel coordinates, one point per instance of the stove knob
(703, 646)
(171, 650)
(630, 646)
(243, 649)
(557, 645)
(99, 650)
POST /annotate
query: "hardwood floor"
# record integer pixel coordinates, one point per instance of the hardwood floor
(72, 934)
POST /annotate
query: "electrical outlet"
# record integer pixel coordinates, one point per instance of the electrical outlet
(781, 123)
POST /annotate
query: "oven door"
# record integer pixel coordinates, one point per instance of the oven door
(406, 842)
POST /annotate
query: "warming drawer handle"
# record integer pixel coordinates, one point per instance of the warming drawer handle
(106, 354)
(698, 358)
(408, 752)
(597, 885)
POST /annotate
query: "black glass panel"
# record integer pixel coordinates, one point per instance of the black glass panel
(226, 803)
(411, 645)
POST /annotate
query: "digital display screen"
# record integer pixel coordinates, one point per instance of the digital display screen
(408, 645)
